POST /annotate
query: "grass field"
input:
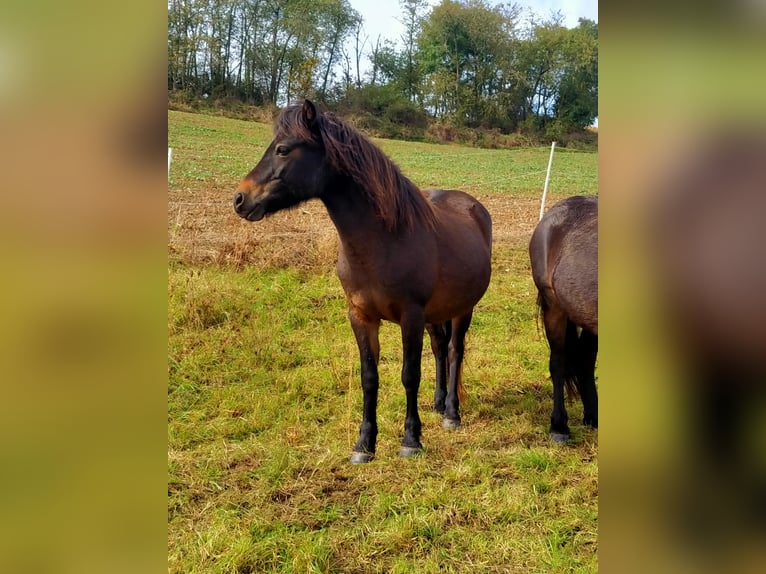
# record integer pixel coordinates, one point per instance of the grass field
(264, 401)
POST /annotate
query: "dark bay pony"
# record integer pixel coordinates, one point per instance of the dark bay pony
(417, 258)
(705, 234)
(564, 255)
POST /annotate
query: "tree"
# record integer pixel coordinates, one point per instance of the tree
(543, 61)
(337, 19)
(467, 42)
(466, 61)
(359, 44)
(577, 103)
(185, 23)
(258, 50)
(386, 63)
(561, 87)
(410, 76)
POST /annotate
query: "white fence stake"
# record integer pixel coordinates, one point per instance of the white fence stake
(547, 177)
(170, 158)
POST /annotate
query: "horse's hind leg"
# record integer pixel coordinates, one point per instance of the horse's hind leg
(440, 335)
(555, 322)
(588, 349)
(456, 351)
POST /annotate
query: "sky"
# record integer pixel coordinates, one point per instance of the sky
(381, 17)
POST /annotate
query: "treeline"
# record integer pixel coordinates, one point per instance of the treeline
(464, 64)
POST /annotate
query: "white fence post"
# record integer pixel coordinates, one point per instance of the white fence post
(170, 158)
(547, 177)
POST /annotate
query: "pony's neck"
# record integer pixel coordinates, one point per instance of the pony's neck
(352, 213)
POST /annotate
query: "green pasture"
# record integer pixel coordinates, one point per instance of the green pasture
(264, 402)
(211, 152)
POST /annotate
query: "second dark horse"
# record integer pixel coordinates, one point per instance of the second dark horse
(417, 258)
(564, 255)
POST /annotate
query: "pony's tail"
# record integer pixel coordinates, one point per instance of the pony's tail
(571, 351)
(539, 317)
(572, 362)
(462, 394)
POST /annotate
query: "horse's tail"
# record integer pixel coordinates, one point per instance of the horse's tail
(462, 394)
(572, 362)
(571, 350)
(539, 316)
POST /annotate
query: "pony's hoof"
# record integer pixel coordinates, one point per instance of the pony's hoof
(361, 457)
(410, 451)
(559, 438)
(450, 424)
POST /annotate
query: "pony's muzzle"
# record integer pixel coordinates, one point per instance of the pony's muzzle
(250, 210)
(239, 202)
(249, 201)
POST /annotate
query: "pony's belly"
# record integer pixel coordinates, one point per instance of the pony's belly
(384, 296)
(444, 286)
(453, 301)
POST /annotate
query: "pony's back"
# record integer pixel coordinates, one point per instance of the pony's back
(564, 257)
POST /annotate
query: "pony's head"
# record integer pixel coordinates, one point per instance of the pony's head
(310, 150)
(291, 169)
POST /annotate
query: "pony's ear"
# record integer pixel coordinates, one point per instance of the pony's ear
(309, 113)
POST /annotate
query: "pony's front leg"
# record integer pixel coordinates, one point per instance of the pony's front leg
(366, 333)
(412, 324)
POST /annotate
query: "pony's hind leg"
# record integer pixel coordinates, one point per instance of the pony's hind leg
(455, 387)
(555, 322)
(588, 350)
(440, 335)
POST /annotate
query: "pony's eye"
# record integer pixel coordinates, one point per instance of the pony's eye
(282, 150)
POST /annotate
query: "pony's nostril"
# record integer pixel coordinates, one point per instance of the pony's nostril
(239, 199)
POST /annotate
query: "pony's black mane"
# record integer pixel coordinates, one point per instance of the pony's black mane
(397, 200)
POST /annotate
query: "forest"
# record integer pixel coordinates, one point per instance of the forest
(462, 64)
